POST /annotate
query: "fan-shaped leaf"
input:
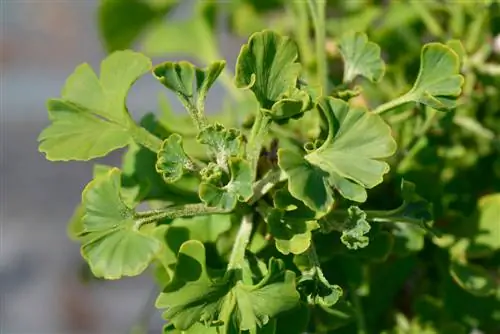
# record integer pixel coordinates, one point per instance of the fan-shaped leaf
(348, 160)
(193, 296)
(90, 119)
(113, 244)
(361, 57)
(439, 82)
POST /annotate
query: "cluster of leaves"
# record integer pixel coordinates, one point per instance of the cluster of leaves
(296, 208)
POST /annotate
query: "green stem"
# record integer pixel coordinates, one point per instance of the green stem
(188, 210)
(145, 138)
(473, 126)
(196, 112)
(261, 187)
(360, 314)
(427, 17)
(299, 10)
(403, 99)
(412, 148)
(257, 135)
(237, 257)
(317, 11)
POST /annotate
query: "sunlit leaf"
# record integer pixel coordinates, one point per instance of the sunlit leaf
(439, 82)
(91, 119)
(346, 161)
(488, 234)
(114, 246)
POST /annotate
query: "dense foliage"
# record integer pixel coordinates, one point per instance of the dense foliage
(350, 183)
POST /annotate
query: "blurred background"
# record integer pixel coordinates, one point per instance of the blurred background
(41, 285)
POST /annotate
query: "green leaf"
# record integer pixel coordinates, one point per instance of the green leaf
(355, 229)
(113, 246)
(292, 235)
(122, 21)
(361, 57)
(268, 66)
(172, 161)
(187, 80)
(91, 119)
(346, 161)
(239, 187)
(224, 143)
(205, 228)
(291, 105)
(193, 296)
(488, 235)
(318, 290)
(193, 37)
(414, 210)
(472, 278)
(290, 223)
(352, 224)
(439, 82)
(331, 318)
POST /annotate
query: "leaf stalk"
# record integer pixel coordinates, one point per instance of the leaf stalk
(237, 256)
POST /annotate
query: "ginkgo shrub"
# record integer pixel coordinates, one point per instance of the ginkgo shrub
(272, 217)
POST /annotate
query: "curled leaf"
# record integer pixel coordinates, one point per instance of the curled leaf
(352, 224)
(239, 187)
(172, 160)
(318, 290)
(268, 66)
(187, 80)
(355, 229)
(224, 143)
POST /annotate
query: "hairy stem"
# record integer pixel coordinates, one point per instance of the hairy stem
(145, 138)
(257, 135)
(195, 111)
(237, 256)
(317, 11)
(261, 187)
(188, 210)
